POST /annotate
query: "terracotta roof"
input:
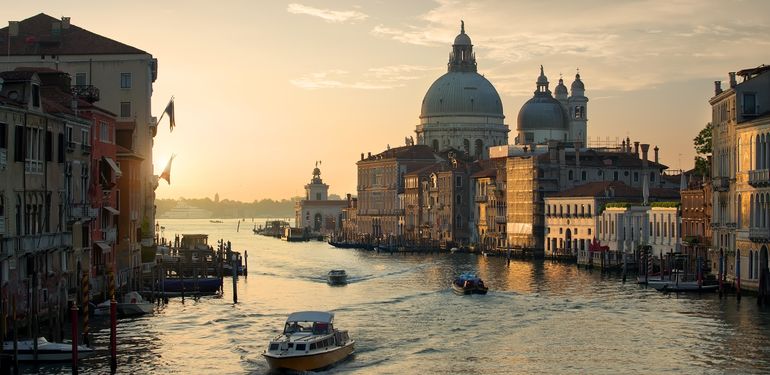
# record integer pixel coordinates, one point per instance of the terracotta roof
(37, 37)
(618, 188)
(404, 152)
(596, 158)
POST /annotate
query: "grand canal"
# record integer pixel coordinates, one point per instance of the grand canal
(539, 318)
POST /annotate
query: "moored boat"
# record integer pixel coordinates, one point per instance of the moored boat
(468, 283)
(203, 285)
(133, 304)
(309, 342)
(46, 351)
(337, 277)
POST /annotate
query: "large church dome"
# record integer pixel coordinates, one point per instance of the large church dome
(461, 93)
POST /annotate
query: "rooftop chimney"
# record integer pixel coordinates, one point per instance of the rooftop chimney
(369, 154)
(733, 83)
(717, 87)
(656, 149)
(65, 23)
(636, 148)
(362, 156)
(645, 149)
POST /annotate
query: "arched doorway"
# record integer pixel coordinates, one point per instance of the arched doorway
(317, 219)
(568, 239)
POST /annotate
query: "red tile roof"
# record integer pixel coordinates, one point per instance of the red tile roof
(37, 37)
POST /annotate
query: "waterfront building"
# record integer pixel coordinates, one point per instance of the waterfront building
(544, 118)
(317, 214)
(437, 202)
(120, 77)
(536, 171)
(130, 202)
(606, 213)
(487, 216)
(381, 185)
(462, 110)
(740, 179)
(45, 176)
(696, 220)
(349, 219)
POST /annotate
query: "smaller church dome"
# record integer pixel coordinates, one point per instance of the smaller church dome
(542, 113)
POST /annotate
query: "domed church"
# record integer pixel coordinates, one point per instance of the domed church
(462, 110)
(545, 118)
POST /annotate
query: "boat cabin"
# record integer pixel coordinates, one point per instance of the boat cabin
(308, 331)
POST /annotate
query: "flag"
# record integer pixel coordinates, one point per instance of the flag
(170, 112)
(166, 175)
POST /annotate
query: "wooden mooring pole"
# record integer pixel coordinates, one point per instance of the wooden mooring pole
(113, 326)
(74, 323)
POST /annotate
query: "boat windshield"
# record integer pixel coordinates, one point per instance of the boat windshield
(316, 328)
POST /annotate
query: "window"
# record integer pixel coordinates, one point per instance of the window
(459, 181)
(459, 199)
(318, 196)
(749, 103)
(570, 175)
(104, 132)
(125, 80)
(652, 176)
(3, 135)
(35, 95)
(615, 175)
(636, 176)
(69, 135)
(583, 175)
(80, 79)
(85, 138)
(125, 109)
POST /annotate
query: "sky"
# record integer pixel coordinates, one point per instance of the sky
(264, 89)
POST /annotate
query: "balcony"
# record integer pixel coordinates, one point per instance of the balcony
(759, 234)
(721, 183)
(88, 93)
(41, 242)
(71, 146)
(759, 177)
(85, 148)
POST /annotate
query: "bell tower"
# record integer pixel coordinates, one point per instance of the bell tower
(578, 106)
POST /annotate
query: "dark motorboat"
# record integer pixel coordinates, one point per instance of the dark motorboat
(468, 283)
(337, 277)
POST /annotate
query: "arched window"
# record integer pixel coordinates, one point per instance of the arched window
(751, 264)
(571, 175)
(459, 199)
(479, 151)
(435, 145)
(740, 212)
(467, 146)
(459, 222)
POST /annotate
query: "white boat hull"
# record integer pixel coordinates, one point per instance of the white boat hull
(46, 351)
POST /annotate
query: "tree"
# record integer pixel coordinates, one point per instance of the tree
(702, 144)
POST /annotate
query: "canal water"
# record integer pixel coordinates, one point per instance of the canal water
(538, 318)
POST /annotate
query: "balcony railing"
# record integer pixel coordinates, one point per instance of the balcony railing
(88, 93)
(71, 146)
(85, 148)
(721, 183)
(759, 177)
(41, 242)
(759, 234)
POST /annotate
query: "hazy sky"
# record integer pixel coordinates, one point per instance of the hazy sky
(265, 88)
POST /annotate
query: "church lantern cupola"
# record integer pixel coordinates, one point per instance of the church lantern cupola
(462, 58)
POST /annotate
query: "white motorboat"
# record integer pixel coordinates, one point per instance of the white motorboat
(337, 277)
(46, 351)
(309, 342)
(133, 304)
